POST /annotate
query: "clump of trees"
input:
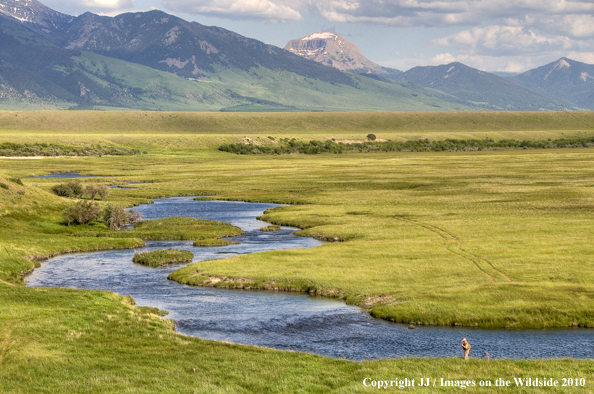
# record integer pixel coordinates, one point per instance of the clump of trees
(75, 189)
(86, 211)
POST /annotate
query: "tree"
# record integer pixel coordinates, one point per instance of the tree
(81, 212)
(104, 192)
(92, 190)
(117, 218)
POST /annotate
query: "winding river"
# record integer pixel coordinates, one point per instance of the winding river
(283, 320)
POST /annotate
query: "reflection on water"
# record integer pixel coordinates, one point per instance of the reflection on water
(282, 320)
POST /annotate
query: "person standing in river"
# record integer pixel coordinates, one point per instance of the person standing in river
(466, 348)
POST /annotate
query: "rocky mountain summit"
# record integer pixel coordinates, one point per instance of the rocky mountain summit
(32, 11)
(565, 79)
(333, 50)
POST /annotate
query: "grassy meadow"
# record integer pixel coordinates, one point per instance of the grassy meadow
(490, 239)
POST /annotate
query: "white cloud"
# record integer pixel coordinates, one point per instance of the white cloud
(584, 57)
(503, 40)
(444, 12)
(107, 4)
(269, 10)
(574, 25)
(103, 7)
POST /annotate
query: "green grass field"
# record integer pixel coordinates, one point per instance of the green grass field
(494, 239)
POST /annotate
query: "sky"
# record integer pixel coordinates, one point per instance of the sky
(491, 35)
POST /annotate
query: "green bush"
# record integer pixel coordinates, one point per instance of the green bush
(81, 212)
(72, 189)
(104, 192)
(117, 218)
(92, 190)
(371, 137)
(18, 181)
(162, 257)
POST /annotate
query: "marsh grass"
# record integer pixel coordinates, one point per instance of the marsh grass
(163, 257)
(272, 227)
(421, 231)
(213, 242)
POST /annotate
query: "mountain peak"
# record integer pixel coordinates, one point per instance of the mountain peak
(562, 63)
(32, 11)
(564, 78)
(333, 50)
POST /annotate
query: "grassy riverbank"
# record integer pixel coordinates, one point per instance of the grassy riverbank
(163, 257)
(496, 239)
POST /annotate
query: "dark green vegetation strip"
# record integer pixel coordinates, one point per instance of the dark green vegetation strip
(291, 146)
(11, 149)
(162, 257)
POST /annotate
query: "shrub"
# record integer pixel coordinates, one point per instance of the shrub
(4, 186)
(104, 192)
(371, 137)
(72, 189)
(162, 257)
(116, 217)
(81, 212)
(18, 181)
(92, 190)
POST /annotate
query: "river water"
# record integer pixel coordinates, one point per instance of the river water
(283, 320)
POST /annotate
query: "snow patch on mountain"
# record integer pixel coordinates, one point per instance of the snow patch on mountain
(320, 36)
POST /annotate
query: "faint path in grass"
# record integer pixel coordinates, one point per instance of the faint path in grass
(6, 335)
(453, 245)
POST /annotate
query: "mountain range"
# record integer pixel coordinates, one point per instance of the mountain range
(156, 61)
(564, 83)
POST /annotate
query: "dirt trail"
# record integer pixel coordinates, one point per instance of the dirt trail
(453, 245)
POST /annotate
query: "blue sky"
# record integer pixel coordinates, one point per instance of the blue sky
(491, 35)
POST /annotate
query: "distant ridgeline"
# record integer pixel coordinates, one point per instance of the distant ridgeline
(286, 146)
(10, 149)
